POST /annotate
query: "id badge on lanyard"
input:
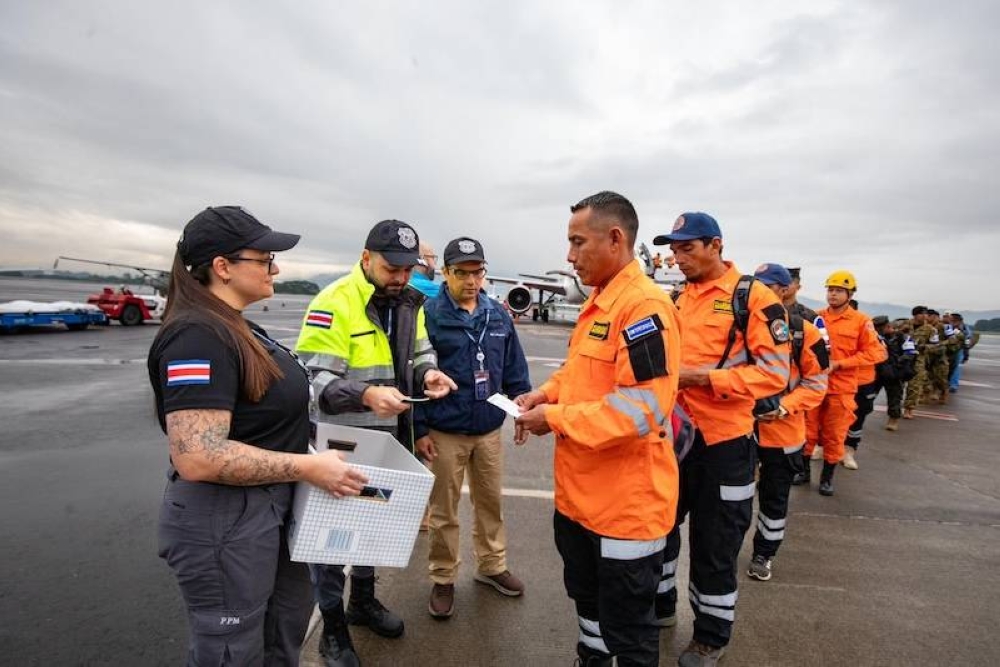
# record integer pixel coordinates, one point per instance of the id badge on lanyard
(481, 377)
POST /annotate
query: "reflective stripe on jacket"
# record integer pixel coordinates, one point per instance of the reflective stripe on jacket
(723, 410)
(609, 407)
(806, 389)
(345, 345)
(853, 344)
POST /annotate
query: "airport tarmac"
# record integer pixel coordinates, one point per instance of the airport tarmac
(900, 567)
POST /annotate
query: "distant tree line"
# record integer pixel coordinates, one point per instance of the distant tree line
(987, 325)
(296, 287)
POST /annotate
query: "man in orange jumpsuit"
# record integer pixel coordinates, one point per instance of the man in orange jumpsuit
(609, 407)
(725, 369)
(782, 432)
(853, 343)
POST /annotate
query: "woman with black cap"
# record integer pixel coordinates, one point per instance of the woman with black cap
(234, 404)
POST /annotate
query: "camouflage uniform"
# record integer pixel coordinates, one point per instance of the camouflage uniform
(921, 335)
(937, 366)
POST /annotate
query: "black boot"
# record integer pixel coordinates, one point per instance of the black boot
(826, 479)
(364, 609)
(589, 658)
(803, 477)
(335, 646)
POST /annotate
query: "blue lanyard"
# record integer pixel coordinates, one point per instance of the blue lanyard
(480, 355)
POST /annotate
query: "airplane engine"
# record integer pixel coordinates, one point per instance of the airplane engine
(519, 299)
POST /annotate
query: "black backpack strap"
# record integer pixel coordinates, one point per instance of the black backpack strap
(741, 319)
(795, 325)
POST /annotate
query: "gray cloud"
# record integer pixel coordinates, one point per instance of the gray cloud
(847, 135)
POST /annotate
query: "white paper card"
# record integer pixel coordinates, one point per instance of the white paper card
(505, 404)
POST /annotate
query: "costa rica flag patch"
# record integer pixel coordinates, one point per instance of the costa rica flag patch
(189, 371)
(319, 318)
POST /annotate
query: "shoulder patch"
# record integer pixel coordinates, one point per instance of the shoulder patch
(189, 371)
(779, 331)
(599, 330)
(642, 328)
(722, 306)
(319, 318)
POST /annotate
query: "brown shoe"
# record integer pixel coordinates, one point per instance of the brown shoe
(505, 582)
(442, 604)
(892, 424)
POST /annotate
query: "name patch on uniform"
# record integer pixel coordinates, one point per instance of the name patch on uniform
(722, 306)
(319, 318)
(599, 330)
(644, 327)
(189, 371)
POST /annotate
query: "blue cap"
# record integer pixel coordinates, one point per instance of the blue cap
(773, 274)
(691, 226)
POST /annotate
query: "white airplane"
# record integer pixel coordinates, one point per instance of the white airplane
(562, 287)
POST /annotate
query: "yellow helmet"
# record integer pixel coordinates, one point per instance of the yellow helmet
(842, 279)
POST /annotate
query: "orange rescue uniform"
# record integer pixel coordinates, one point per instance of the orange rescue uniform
(724, 409)
(609, 407)
(853, 345)
(806, 389)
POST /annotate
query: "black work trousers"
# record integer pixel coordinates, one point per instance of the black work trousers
(777, 467)
(247, 603)
(864, 401)
(893, 396)
(613, 583)
(716, 488)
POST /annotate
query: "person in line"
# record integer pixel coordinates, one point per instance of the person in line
(477, 346)
(728, 365)
(364, 339)
(609, 407)
(234, 405)
(781, 433)
(853, 344)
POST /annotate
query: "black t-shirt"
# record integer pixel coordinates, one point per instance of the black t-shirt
(192, 368)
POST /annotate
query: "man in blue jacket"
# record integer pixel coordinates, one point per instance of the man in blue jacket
(478, 348)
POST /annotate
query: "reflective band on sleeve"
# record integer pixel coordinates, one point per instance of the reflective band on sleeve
(368, 373)
(646, 396)
(815, 382)
(320, 380)
(622, 405)
(736, 493)
(630, 549)
(590, 635)
(326, 362)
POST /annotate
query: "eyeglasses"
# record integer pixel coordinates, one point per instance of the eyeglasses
(462, 274)
(269, 261)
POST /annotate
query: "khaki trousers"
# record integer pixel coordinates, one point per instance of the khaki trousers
(482, 457)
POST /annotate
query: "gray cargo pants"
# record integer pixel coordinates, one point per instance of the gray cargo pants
(247, 603)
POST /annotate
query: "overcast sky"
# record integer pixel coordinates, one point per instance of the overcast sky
(828, 134)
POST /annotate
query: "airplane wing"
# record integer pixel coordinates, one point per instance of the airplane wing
(550, 285)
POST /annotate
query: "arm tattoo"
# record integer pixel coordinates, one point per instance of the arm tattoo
(203, 436)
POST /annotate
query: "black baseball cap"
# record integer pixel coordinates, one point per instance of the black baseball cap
(222, 230)
(463, 249)
(396, 241)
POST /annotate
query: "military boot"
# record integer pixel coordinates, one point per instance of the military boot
(335, 646)
(587, 657)
(804, 477)
(826, 479)
(365, 609)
